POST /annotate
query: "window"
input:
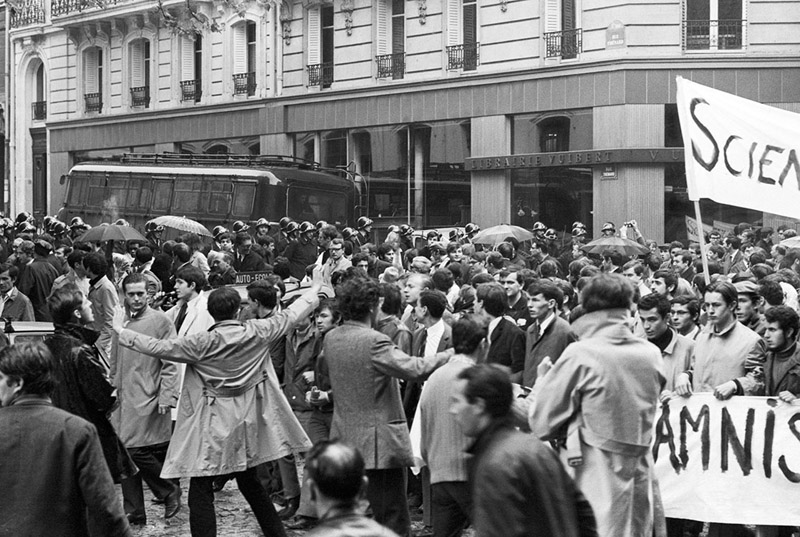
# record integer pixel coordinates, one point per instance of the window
(39, 106)
(162, 194)
(140, 73)
(320, 46)
(554, 135)
(713, 25)
(191, 68)
(244, 59)
(462, 35)
(93, 79)
(243, 200)
(391, 38)
(563, 37)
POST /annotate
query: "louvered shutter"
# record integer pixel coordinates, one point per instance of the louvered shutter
(552, 16)
(187, 59)
(137, 64)
(382, 26)
(453, 19)
(90, 81)
(568, 14)
(314, 35)
(470, 23)
(398, 27)
(240, 49)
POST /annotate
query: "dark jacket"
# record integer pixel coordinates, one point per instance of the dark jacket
(301, 353)
(35, 282)
(789, 381)
(83, 389)
(58, 483)
(344, 522)
(252, 262)
(552, 343)
(413, 390)
(507, 346)
(520, 488)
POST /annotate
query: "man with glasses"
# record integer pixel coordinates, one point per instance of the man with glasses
(684, 313)
(336, 260)
(246, 259)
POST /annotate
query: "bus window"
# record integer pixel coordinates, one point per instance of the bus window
(219, 197)
(97, 191)
(144, 194)
(187, 196)
(162, 194)
(243, 202)
(78, 187)
(314, 205)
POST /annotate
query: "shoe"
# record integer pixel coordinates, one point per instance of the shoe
(290, 509)
(136, 520)
(157, 501)
(301, 522)
(172, 504)
(277, 498)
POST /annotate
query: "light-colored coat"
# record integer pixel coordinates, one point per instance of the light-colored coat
(232, 415)
(607, 386)
(143, 383)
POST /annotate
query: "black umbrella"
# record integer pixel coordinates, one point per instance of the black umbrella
(111, 232)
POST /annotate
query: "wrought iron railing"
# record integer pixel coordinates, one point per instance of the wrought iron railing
(391, 65)
(39, 110)
(191, 90)
(66, 7)
(566, 44)
(244, 84)
(466, 56)
(140, 97)
(321, 75)
(27, 12)
(93, 102)
(707, 34)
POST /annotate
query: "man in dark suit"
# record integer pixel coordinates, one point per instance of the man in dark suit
(368, 413)
(59, 482)
(506, 339)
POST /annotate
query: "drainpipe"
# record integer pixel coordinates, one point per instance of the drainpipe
(10, 145)
(278, 49)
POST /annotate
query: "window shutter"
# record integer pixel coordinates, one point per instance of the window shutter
(137, 64)
(453, 19)
(90, 82)
(552, 16)
(382, 26)
(470, 24)
(568, 15)
(314, 35)
(240, 49)
(187, 59)
(398, 30)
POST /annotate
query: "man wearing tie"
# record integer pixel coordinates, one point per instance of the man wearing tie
(506, 339)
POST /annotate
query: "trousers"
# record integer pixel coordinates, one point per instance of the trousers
(150, 460)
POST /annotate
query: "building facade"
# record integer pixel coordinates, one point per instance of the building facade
(450, 110)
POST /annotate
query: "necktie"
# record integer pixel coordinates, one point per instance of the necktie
(423, 339)
(181, 317)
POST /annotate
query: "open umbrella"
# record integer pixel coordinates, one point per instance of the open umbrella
(111, 232)
(497, 234)
(791, 242)
(181, 223)
(626, 247)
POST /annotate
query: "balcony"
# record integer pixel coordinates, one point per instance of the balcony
(466, 56)
(140, 97)
(320, 75)
(26, 13)
(566, 44)
(60, 8)
(391, 65)
(93, 102)
(713, 35)
(39, 110)
(191, 90)
(244, 84)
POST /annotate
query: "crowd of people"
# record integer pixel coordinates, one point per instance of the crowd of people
(519, 379)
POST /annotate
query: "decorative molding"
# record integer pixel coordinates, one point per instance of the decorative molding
(347, 8)
(423, 10)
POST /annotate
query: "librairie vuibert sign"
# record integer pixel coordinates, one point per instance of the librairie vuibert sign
(575, 158)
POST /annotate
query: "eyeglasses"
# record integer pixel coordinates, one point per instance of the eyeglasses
(334, 248)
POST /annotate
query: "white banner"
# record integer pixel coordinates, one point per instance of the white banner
(734, 461)
(739, 152)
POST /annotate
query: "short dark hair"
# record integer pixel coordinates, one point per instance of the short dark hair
(241, 237)
(95, 263)
(607, 291)
(735, 242)
(786, 318)
(12, 270)
(337, 469)
(144, 254)
(692, 304)
(224, 303)
(655, 302)
(492, 384)
(772, 292)
(31, 362)
(669, 277)
(192, 275)
(726, 289)
(493, 297)
(549, 290)
(384, 249)
(357, 297)
(264, 293)
(442, 280)
(467, 335)
(392, 299)
(182, 252)
(63, 302)
(76, 258)
(133, 277)
(332, 305)
(549, 268)
(435, 301)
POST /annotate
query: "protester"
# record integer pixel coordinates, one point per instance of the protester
(14, 305)
(54, 478)
(103, 297)
(506, 339)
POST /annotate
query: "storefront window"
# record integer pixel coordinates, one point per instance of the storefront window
(381, 154)
(558, 195)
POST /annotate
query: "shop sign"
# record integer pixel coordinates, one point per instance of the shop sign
(615, 35)
(602, 157)
(609, 173)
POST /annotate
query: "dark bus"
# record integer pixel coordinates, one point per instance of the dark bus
(212, 189)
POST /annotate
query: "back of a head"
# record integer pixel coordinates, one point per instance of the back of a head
(467, 335)
(144, 254)
(492, 384)
(32, 363)
(96, 263)
(493, 297)
(224, 303)
(607, 291)
(392, 299)
(358, 297)
(63, 302)
(264, 293)
(182, 252)
(76, 258)
(435, 301)
(337, 470)
(442, 280)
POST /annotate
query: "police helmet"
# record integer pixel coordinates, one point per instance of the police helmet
(240, 226)
(363, 222)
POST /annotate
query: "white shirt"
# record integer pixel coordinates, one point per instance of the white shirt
(434, 337)
(492, 325)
